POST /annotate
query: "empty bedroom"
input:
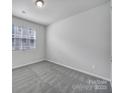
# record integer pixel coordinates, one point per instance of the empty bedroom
(61, 46)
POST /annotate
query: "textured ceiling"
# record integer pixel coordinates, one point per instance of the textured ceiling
(54, 10)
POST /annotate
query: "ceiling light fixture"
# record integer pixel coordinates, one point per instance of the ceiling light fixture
(39, 3)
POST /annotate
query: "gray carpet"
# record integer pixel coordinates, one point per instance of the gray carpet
(47, 77)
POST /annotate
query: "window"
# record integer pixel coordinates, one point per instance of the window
(23, 38)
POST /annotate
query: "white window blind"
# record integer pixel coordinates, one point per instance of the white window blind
(23, 38)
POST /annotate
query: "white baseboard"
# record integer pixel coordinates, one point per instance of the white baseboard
(33, 62)
(86, 72)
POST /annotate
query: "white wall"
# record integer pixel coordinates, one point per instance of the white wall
(83, 42)
(20, 58)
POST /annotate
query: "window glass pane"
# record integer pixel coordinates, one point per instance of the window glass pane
(13, 43)
(17, 43)
(23, 38)
(25, 33)
(32, 43)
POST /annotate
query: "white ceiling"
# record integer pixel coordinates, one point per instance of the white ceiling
(53, 10)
